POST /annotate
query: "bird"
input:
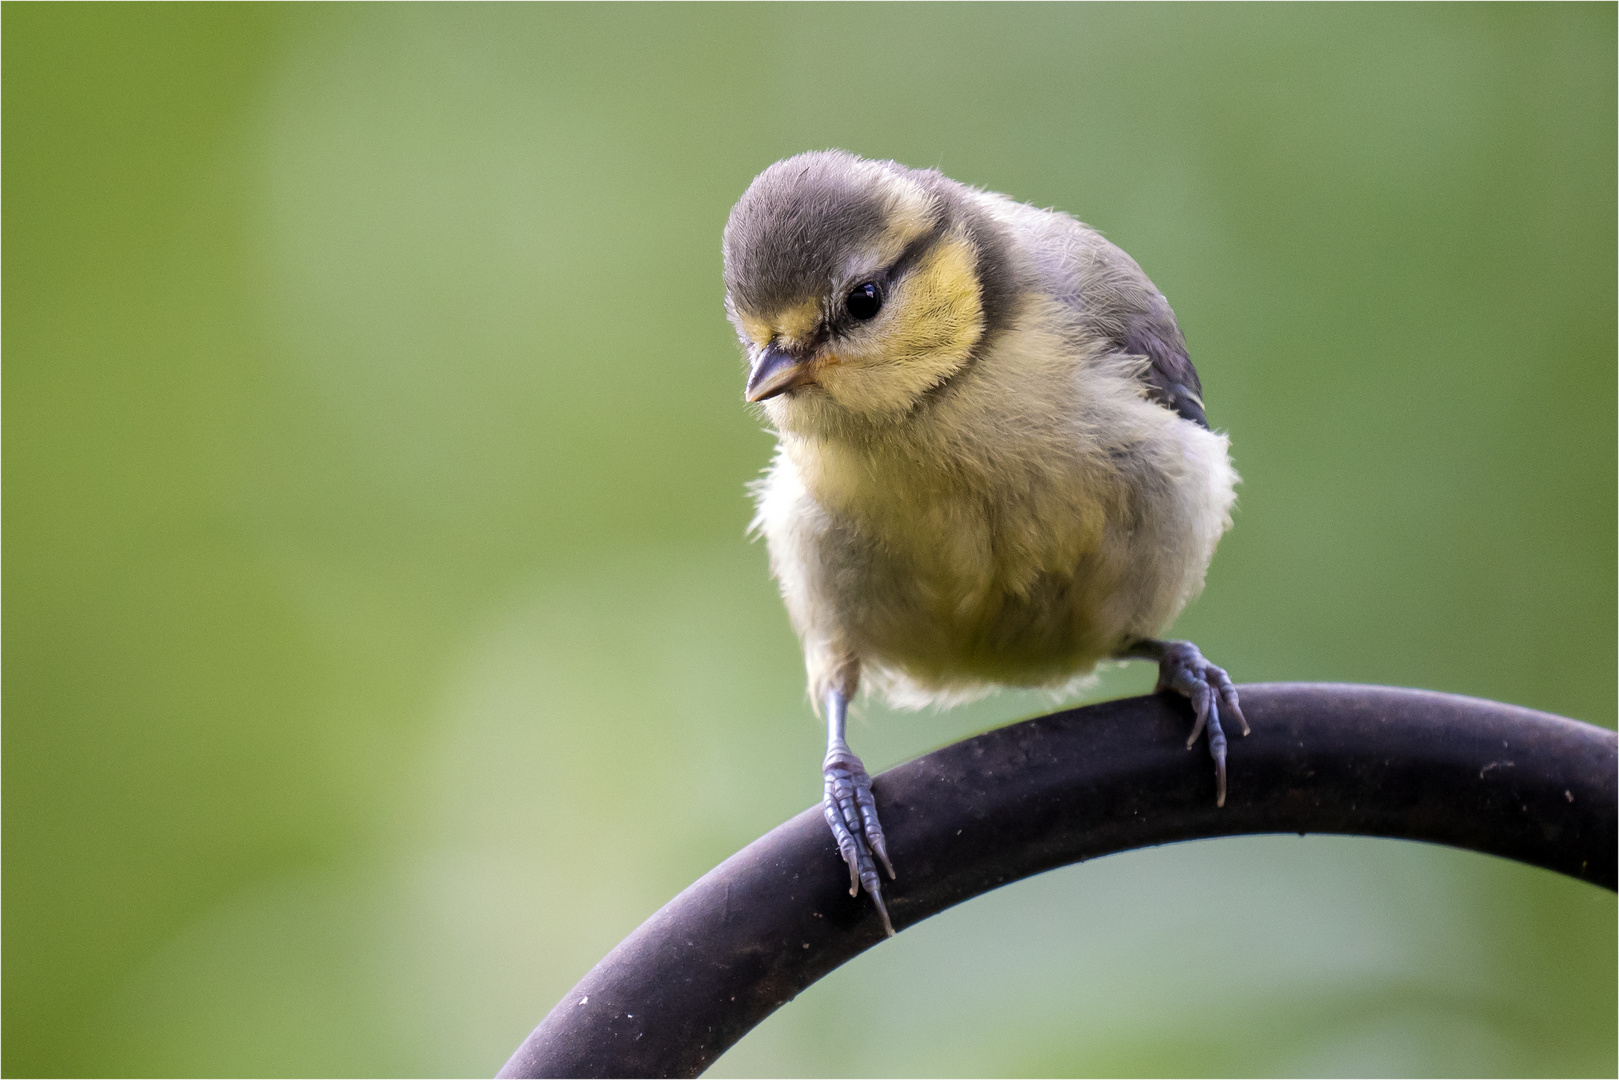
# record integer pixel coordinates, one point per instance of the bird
(993, 467)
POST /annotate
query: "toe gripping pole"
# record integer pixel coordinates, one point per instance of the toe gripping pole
(1361, 760)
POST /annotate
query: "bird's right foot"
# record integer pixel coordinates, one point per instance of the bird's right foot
(851, 811)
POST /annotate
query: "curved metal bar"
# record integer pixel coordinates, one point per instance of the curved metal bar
(1364, 760)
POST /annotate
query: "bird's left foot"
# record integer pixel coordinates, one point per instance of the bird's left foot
(1183, 670)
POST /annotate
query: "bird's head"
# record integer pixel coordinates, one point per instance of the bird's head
(856, 287)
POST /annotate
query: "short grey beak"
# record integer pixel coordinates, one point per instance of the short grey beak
(773, 373)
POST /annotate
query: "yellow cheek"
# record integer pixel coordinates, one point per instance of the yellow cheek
(936, 318)
(941, 308)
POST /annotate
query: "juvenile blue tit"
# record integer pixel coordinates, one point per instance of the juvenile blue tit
(993, 466)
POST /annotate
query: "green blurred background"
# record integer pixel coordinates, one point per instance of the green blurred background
(380, 640)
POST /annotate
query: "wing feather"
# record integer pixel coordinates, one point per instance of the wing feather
(1171, 379)
(1114, 300)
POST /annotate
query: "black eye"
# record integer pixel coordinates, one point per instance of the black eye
(864, 301)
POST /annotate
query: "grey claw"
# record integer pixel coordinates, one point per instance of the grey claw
(1203, 704)
(1198, 725)
(1217, 747)
(882, 910)
(881, 850)
(1228, 695)
(873, 828)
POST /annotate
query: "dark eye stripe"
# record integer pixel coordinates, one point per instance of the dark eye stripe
(908, 258)
(914, 251)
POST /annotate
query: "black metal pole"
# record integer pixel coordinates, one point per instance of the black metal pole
(1363, 760)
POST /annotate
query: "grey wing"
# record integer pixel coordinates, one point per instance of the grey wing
(1117, 302)
(1171, 379)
